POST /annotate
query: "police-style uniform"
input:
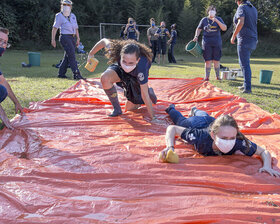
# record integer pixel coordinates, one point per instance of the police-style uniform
(132, 81)
(247, 39)
(172, 44)
(67, 26)
(162, 31)
(212, 40)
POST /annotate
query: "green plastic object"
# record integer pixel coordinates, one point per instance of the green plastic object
(265, 76)
(34, 58)
(194, 48)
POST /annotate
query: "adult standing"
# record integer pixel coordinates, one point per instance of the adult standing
(245, 20)
(172, 42)
(211, 41)
(162, 34)
(5, 88)
(131, 30)
(152, 39)
(69, 38)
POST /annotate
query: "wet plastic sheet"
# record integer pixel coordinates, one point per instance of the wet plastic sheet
(67, 162)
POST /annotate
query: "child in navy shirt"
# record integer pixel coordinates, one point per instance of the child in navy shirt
(212, 137)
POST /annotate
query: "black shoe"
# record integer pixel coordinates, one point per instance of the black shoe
(62, 76)
(246, 91)
(171, 106)
(78, 77)
(115, 113)
(152, 95)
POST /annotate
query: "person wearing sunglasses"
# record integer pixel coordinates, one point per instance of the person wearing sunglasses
(5, 88)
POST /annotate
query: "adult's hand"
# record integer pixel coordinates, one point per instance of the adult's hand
(53, 43)
(195, 39)
(232, 40)
(78, 42)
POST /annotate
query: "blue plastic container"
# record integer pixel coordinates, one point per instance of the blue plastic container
(265, 76)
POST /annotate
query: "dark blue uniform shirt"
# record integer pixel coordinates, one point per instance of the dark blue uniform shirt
(211, 32)
(131, 33)
(248, 33)
(173, 36)
(162, 34)
(203, 142)
(141, 72)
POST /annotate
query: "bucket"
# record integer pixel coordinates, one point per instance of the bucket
(265, 76)
(34, 58)
(194, 48)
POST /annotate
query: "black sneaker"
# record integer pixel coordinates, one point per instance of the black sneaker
(62, 76)
(171, 106)
(78, 77)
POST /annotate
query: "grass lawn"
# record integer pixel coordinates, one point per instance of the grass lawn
(40, 83)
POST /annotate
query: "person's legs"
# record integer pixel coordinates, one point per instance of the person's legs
(68, 43)
(108, 78)
(208, 65)
(217, 54)
(244, 54)
(64, 63)
(163, 49)
(154, 49)
(207, 55)
(172, 53)
(177, 117)
(129, 106)
(159, 51)
(217, 69)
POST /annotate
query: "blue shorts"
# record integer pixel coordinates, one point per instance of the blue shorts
(3, 93)
(212, 53)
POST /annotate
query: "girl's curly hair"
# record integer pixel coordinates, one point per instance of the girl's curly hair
(119, 47)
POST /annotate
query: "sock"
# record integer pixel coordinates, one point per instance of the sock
(217, 70)
(113, 97)
(207, 72)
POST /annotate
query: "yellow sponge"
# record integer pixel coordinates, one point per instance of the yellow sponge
(172, 157)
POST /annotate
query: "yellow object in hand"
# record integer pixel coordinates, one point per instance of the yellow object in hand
(90, 66)
(172, 157)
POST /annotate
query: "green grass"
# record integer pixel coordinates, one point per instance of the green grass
(40, 83)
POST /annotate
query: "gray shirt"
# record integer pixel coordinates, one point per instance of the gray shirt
(151, 32)
(67, 25)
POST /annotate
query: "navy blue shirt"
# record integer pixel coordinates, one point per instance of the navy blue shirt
(141, 72)
(249, 32)
(173, 36)
(211, 32)
(162, 31)
(131, 33)
(203, 142)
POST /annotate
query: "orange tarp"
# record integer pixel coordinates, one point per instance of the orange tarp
(67, 162)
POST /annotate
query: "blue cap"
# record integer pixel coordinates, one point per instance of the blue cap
(68, 2)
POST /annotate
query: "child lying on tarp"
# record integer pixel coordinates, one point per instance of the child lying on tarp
(211, 137)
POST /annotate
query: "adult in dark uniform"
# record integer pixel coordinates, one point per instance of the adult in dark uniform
(131, 30)
(152, 39)
(211, 41)
(131, 62)
(245, 20)
(5, 88)
(69, 39)
(172, 42)
(162, 34)
(213, 137)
